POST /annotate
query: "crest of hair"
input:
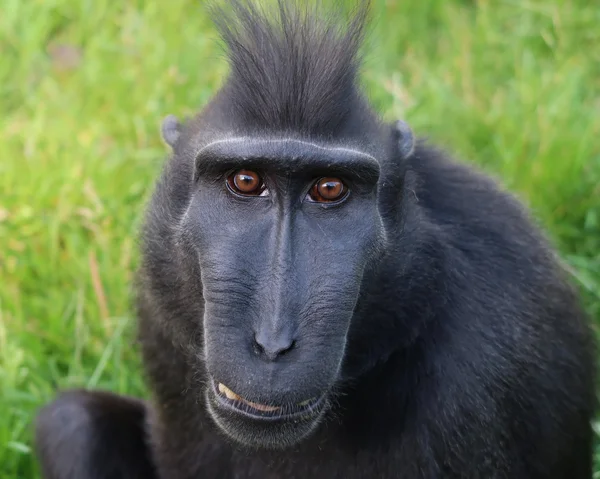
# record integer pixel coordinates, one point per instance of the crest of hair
(293, 65)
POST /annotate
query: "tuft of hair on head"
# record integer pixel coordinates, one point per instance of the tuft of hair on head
(293, 66)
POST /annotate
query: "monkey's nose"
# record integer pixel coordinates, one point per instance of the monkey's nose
(270, 346)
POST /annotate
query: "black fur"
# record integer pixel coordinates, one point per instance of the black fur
(294, 73)
(426, 310)
(93, 435)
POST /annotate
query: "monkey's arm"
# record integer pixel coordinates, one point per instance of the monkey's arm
(93, 435)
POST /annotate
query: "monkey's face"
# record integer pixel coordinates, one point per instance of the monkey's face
(282, 231)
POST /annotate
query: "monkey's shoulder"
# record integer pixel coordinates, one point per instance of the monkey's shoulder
(471, 205)
(489, 241)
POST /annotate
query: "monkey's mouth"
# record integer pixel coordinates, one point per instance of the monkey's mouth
(230, 400)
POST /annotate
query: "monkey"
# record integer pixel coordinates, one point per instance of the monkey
(323, 294)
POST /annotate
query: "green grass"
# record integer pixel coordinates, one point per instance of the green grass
(513, 86)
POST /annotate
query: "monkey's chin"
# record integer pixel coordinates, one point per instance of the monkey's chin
(258, 426)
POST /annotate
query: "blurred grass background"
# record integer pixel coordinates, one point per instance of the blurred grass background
(512, 85)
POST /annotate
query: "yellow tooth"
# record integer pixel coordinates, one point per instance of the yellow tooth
(261, 407)
(305, 403)
(228, 392)
(231, 395)
(234, 397)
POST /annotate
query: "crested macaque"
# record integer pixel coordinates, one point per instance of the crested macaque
(322, 295)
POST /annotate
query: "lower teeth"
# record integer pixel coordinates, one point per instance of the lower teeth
(229, 394)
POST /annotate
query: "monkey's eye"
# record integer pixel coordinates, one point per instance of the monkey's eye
(328, 190)
(247, 183)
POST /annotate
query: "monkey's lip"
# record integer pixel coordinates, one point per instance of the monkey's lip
(232, 401)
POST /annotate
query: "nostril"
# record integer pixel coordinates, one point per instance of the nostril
(258, 349)
(288, 349)
(272, 348)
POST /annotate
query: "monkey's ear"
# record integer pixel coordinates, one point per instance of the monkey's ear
(405, 139)
(171, 129)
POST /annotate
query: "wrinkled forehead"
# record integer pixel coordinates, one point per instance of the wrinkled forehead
(285, 153)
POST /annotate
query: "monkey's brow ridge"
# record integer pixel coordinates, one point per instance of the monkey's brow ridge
(268, 141)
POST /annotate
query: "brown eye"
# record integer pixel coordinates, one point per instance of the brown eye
(327, 190)
(246, 182)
